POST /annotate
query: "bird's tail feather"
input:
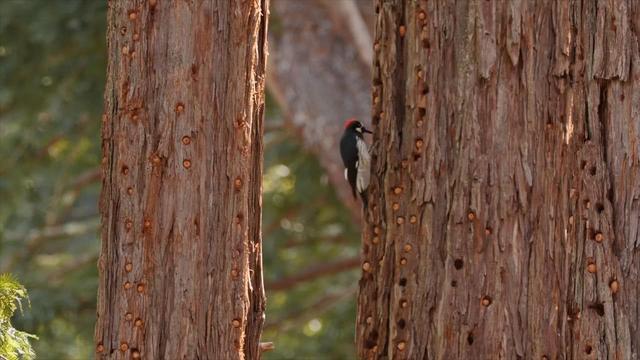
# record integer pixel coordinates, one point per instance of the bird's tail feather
(364, 197)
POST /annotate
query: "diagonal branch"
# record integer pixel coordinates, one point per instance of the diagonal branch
(317, 308)
(314, 273)
(316, 76)
(347, 14)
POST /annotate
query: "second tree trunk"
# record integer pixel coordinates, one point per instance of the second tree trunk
(503, 204)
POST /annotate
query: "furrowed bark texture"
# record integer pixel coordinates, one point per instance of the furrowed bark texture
(181, 267)
(504, 202)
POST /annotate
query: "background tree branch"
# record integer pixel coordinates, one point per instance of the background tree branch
(324, 82)
(314, 273)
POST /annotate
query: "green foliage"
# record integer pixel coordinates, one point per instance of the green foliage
(305, 225)
(14, 344)
(52, 68)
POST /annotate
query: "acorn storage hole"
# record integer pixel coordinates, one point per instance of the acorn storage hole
(470, 338)
(403, 282)
(588, 349)
(598, 308)
(458, 264)
(599, 207)
(372, 339)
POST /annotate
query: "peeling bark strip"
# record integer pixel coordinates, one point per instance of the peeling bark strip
(505, 195)
(181, 267)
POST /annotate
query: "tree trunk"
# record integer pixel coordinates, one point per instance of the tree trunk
(506, 183)
(180, 268)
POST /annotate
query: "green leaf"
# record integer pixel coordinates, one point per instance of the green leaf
(14, 344)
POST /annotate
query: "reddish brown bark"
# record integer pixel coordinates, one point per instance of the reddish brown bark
(504, 197)
(180, 267)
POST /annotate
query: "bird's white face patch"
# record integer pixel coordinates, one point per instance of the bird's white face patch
(359, 129)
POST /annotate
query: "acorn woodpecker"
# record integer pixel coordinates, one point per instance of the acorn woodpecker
(356, 158)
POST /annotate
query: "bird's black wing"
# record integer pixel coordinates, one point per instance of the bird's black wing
(347, 144)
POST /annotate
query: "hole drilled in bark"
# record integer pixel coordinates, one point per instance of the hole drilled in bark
(372, 339)
(598, 237)
(614, 285)
(599, 208)
(454, 283)
(588, 349)
(194, 71)
(403, 282)
(583, 164)
(237, 183)
(401, 323)
(592, 170)
(458, 264)
(598, 308)
(610, 194)
(470, 338)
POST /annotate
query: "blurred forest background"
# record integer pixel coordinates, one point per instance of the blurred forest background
(52, 72)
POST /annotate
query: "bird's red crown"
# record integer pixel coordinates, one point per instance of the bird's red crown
(348, 122)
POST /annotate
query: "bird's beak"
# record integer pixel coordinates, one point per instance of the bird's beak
(367, 131)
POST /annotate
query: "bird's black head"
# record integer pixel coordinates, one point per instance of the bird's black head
(355, 125)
